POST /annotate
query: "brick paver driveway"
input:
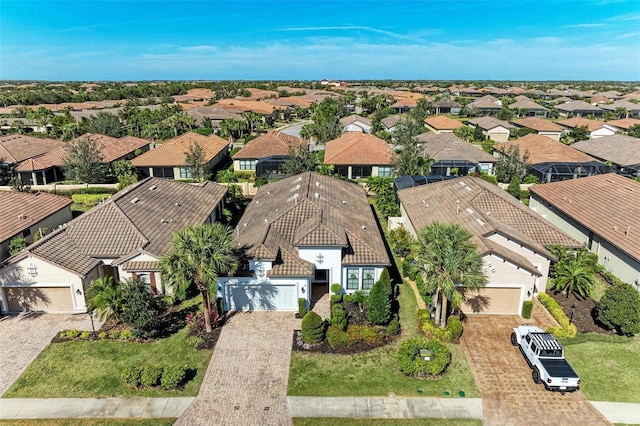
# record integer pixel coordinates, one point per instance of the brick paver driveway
(23, 337)
(509, 396)
(246, 381)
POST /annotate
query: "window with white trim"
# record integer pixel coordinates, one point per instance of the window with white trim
(248, 164)
(368, 278)
(353, 278)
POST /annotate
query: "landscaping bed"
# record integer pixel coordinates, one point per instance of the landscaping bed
(584, 312)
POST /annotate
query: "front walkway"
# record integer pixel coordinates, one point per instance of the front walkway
(24, 336)
(246, 381)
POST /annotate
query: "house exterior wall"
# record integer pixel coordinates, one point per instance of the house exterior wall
(361, 277)
(46, 275)
(609, 256)
(497, 134)
(357, 127)
(331, 259)
(553, 135)
(602, 132)
(302, 284)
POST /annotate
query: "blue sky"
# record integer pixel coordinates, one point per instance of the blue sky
(345, 40)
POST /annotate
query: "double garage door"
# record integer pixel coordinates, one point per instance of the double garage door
(492, 300)
(265, 297)
(44, 299)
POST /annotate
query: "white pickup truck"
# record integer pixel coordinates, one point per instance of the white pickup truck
(545, 356)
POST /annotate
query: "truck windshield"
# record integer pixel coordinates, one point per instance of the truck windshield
(552, 353)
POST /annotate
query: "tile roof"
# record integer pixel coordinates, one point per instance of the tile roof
(450, 147)
(543, 149)
(624, 124)
(486, 102)
(522, 102)
(21, 210)
(242, 105)
(143, 216)
(16, 148)
(354, 148)
(442, 122)
(488, 123)
(624, 103)
(354, 118)
(310, 210)
(483, 209)
(608, 205)
(571, 123)
(619, 149)
(173, 151)
(539, 124)
(141, 265)
(268, 144)
(578, 106)
(391, 120)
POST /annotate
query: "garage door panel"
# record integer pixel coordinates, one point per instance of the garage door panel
(262, 297)
(45, 299)
(491, 300)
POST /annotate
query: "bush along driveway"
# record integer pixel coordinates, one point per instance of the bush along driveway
(508, 393)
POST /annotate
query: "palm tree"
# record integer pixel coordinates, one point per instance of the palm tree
(447, 258)
(198, 255)
(104, 297)
(575, 273)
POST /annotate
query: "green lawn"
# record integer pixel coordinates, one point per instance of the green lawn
(375, 373)
(89, 422)
(91, 368)
(305, 421)
(608, 371)
(599, 288)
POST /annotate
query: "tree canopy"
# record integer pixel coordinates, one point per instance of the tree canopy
(84, 162)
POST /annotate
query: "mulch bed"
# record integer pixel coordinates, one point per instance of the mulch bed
(584, 313)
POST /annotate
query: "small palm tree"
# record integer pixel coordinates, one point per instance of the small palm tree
(447, 258)
(199, 254)
(104, 297)
(574, 275)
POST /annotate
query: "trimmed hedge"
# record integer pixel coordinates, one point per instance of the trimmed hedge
(412, 364)
(339, 317)
(355, 334)
(527, 308)
(302, 306)
(312, 328)
(337, 337)
(566, 329)
(452, 331)
(89, 199)
(393, 328)
(595, 337)
(135, 377)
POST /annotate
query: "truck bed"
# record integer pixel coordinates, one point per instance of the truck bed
(558, 368)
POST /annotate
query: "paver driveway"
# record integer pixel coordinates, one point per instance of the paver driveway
(509, 396)
(246, 381)
(23, 337)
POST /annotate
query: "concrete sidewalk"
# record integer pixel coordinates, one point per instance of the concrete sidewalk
(49, 408)
(385, 408)
(619, 412)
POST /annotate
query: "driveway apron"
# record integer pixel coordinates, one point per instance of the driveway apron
(509, 395)
(246, 381)
(24, 336)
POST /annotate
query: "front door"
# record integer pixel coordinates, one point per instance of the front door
(320, 284)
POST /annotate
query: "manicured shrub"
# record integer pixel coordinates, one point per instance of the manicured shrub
(347, 298)
(564, 332)
(452, 331)
(336, 298)
(359, 297)
(89, 199)
(114, 334)
(619, 309)
(339, 317)
(85, 335)
(337, 337)
(527, 307)
(336, 288)
(150, 376)
(132, 377)
(378, 306)
(72, 334)
(313, 328)
(363, 334)
(393, 328)
(412, 363)
(302, 306)
(566, 329)
(400, 240)
(126, 335)
(102, 335)
(172, 376)
(454, 327)
(139, 309)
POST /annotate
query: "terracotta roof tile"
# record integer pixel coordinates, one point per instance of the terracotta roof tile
(447, 146)
(144, 265)
(619, 149)
(543, 149)
(488, 123)
(522, 102)
(624, 124)
(354, 148)
(571, 123)
(442, 122)
(15, 148)
(608, 205)
(114, 148)
(271, 143)
(173, 151)
(539, 124)
(21, 210)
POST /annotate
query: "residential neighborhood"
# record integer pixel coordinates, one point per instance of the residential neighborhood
(272, 252)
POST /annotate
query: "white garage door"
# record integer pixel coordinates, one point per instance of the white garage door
(492, 300)
(265, 297)
(45, 299)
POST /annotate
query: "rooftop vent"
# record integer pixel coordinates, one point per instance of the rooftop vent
(318, 184)
(153, 188)
(135, 200)
(344, 202)
(177, 204)
(22, 216)
(317, 195)
(364, 227)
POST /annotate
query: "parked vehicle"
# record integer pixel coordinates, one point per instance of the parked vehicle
(545, 356)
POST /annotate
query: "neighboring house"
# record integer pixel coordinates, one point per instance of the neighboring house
(579, 109)
(453, 156)
(123, 237)
(169, 159)
(359, 155)
(525, 107)
(300, 235)
(214, 114)
(492, 128)
(621, 151)
(390, 123)
(24, 123)
(601, 211)
(17, 148)
(442, 124)
(551, 160)
(447, 107)
(511, 239)
(486, 105)
(355, 123)
(624, 124)
(597, 129)
(49, 167)
(270, 144)
(633, 109)
(541, 127)
(23, 214)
